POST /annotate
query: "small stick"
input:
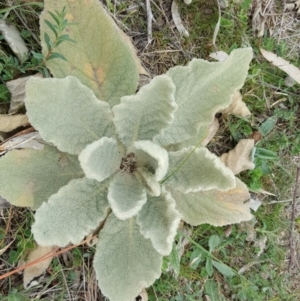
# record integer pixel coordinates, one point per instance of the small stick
(291, 238)
(149, 21)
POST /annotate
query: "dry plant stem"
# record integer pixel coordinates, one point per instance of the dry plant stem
(291, 238)
(216, 31)
(149, 21)
(53, 253)
(7, 224)
(65, 282)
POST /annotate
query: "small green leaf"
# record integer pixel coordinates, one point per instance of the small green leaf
(48, 42)
(213, 242)
(267, 126)
(224, 269)
(54, 17)
(208, 266)
(37, 55)
(17, 297)
(64, 38)
(212, 290)
(265, 154)
(56, 55)
(174, 260)
(51, 27)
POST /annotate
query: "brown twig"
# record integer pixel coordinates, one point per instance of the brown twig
(52, 253)
(291, 238)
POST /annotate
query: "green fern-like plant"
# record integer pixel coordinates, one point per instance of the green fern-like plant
(123, 160)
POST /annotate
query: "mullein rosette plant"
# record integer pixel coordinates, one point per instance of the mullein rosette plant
(128, 164)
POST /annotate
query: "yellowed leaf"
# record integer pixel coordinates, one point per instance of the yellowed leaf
(237, 106)
(239, 158)
(282, 64)
(10, 122)
(40, 267)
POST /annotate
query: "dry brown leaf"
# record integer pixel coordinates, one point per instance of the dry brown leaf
(39, 268)
(282, 64)
(31, 140)
(237, 106)
(220, 56)
(238, 159)
(17, 90)
(211, 132)
(10, 122)
(14, 40)
(143, 296)
(2, 251)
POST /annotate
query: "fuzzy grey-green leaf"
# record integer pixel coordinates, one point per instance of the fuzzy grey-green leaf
(125, 262)
(202, 89)
(214, 207)
(103, 57)
(71, 213)
(146, 114)
(159, 221)
(100, 159)
(126, 195)
(29, 177)
(67, 113)
(193, 169)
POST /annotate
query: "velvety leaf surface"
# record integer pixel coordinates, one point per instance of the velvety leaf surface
(153, 157)
(32, 176)
(71, 213)
(100, 159)
(144, 115)
(125, 262)
(126, 195)
(214, 207)
(159, 221)
(148, 180)
(204, 136)
(202, 89)
(103, 57)
(193, 169)
(67, 113)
